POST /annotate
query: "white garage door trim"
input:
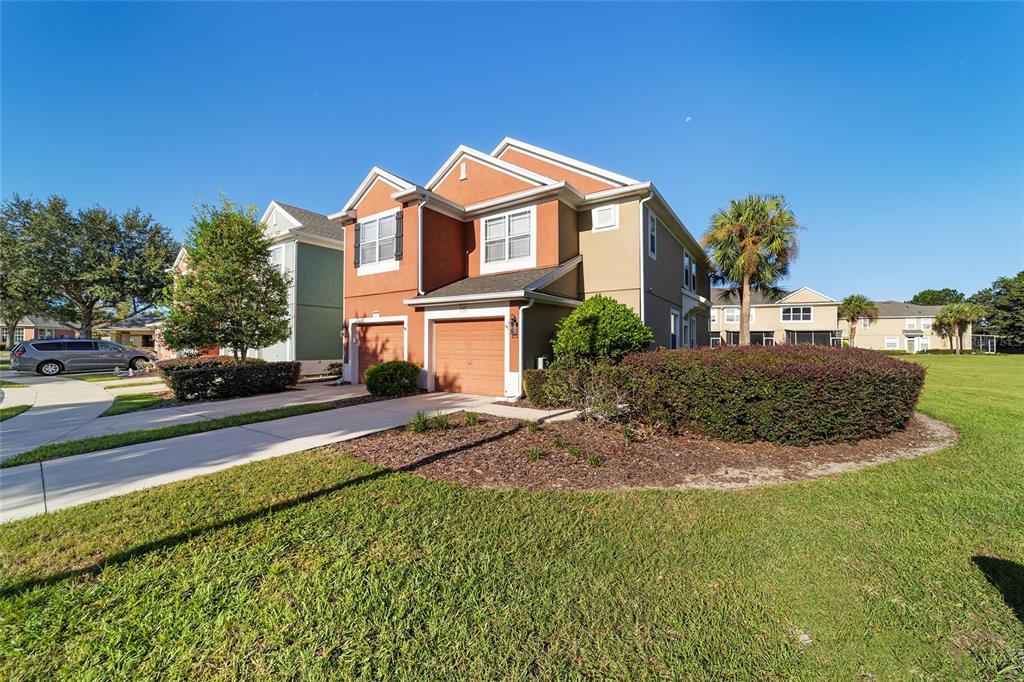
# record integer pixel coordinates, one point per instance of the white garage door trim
(351, 370)
(512, 379)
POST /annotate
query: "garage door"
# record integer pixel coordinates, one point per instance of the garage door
(379, 343)
(469, 357)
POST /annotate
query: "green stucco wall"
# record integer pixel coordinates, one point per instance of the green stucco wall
(318, 303)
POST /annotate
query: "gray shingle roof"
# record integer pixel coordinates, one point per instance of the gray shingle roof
(137, 322)
(898, 309)
(492, 284)
(314, 223)
(37, 321)
(719, 296)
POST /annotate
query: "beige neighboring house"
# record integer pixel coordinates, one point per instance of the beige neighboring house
(901, 327)
(141, 331)
(803, 316)
(36, 327)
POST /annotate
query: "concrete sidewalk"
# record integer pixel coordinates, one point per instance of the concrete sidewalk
(82, 478)
(61, 405)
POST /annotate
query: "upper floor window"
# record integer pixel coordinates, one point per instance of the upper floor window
(605, 217)
(377, 239)
(911, 323)
(673, 339)
(693, 274)
(277, 257)
(926, 324)
(797, 314)
(864, 323)
(714, 315)
(652, 235)
(687, 282)
(732, 314)
(509, 239)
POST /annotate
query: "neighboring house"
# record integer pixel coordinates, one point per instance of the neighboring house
(468, 275)
(141, 331)
(902, 326)
(35, 327)
(804, 316)
(309, 247)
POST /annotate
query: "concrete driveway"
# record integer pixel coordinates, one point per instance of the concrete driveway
(82, 478)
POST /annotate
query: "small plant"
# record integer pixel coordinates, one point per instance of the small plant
(576, 451)
(628, 434)
(419, 423)
(472, 418)
(533, 426)
(593, 459)
(559, 443)
(441, 422)
(334, 369)
(534, 453)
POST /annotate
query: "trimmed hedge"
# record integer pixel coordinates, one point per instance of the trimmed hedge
(166, 367)
(534, 381)
(795, 395)
(392, 379)
(220, 379)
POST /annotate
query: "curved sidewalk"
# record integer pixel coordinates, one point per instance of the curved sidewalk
(61, 405)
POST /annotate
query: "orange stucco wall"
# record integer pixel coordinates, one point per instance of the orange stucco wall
(581, 182)
(548, 244)
(481, 183)
(377, 199)
(444, 254)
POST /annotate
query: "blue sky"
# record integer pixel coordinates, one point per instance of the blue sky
(895, 131)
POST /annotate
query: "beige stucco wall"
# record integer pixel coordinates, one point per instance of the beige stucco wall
(874, 336)
(611, 258)
(825, 317)
(541, 321)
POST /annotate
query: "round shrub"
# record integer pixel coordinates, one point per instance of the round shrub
(601, 328)
(795, 395)
(392, 379)
(215, 380)
(167, 367)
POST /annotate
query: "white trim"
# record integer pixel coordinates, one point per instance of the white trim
(895, 343)
(274, 205)
(615, 218)
(792, 306)
(378, 266)
(818, 293)
(374, 174)
(351, 369)
(566, 162)
(675, 328)
(725, 317)
(521, 263)
(910, 323)
(468, 313)
(427, 302)
(497, 164)
(293, 296)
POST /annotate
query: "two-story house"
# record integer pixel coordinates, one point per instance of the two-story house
(901, 326)
(468, 274)
(803, 316)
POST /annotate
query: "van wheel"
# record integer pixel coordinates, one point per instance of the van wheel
(137, 364)
(50, 368)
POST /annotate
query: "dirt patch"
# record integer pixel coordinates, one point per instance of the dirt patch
(573, 455)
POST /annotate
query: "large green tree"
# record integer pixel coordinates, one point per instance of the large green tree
(954, 319)
(91, 260)
(232, 296)
(752, 243)
(937, 297)
(854, 308)
(1004, 309)
(20, 293)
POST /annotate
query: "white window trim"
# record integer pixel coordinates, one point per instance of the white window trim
(381, 265)
(508, 264)
(279, 247)
(714, 316)
(910, 323)
(926, 324)
(652, 230)
(615, 218)
(675, 326)
(727, 316)
(895, 343)
(693, 331)
(864, 323)
(800, 321)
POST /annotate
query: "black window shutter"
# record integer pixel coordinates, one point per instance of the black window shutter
(398, 236)
(355, 247)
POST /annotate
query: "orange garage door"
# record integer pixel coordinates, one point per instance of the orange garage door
(379, 343)
(469, 357)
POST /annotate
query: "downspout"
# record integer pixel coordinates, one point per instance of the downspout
(419, 246)
(522, 342)
(643, 252)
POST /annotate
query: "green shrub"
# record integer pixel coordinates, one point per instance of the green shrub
(593, 459)
(441, 422)
(598, 389)
(392, 379)
(601, 329)
(166, 367)
(472, 418)
(335, 368)
(533, 385)
(231, 379)
(783, 394)
(533, 453)
(419, 423)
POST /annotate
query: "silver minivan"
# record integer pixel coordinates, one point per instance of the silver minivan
(53, 356)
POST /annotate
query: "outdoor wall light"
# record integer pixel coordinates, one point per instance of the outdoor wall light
(513, 326)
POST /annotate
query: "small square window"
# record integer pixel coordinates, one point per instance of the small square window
(605, 217)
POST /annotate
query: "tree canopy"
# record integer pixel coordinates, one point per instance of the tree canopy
(937, 297)
(855, 307)
(954, 320)
(1004, 309)
(231, 296)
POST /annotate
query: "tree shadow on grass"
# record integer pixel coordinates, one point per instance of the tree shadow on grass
(184, 536)
(1007, 577)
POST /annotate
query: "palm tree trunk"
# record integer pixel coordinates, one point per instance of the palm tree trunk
(853, 333)
(745, 312)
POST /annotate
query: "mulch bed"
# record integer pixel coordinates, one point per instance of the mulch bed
(496, 453)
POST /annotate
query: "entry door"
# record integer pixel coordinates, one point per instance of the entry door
(911, 345)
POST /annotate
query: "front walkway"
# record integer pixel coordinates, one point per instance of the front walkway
(60, 405)
(70, 481)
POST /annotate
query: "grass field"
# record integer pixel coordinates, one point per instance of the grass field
(12, 384)
(13, 411)
(319, 566)
(133, 402)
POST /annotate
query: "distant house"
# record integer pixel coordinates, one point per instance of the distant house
(141, 331)
(36, 327)
(902, 326)
(804, 316)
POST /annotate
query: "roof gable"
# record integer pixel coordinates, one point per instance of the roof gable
(376, 174)
(550, 158)
(807, 295)
(463, 152)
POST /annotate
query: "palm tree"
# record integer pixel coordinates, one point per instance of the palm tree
(856, 307)
(954, 319)
(752, 244)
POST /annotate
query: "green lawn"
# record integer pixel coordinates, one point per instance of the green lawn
(133, 402)
(133, 384)
(319, 566)
(12, 384)
(13, 411)
(97, 378)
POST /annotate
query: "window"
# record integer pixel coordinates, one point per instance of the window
(674, 329)
(714, 315)
(687, 331)
(751, 316)
(924, 344)
(652, 235)
(508, 237)
(80, 345)
(605, 217)
(762, 338)
(693, 331)
(46, 334)
(799, 314)
(107, 345)
(732, 315)
(377, 239)
(864, 323)
(693, 274)
(277, 256)
(911, 323)
(686, 271)
(716, 341)
(49, 345)
(892, 343)
(926, 324)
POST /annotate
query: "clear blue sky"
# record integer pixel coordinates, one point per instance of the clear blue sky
(895, 131)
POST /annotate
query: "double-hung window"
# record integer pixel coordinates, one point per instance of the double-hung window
(926, 324)
(686, 271)
(732, 315)
(911, 323)
(892, 343)
(864, 323)
(674, 331)
(377, 239)
(508, 238)
(797, 314)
